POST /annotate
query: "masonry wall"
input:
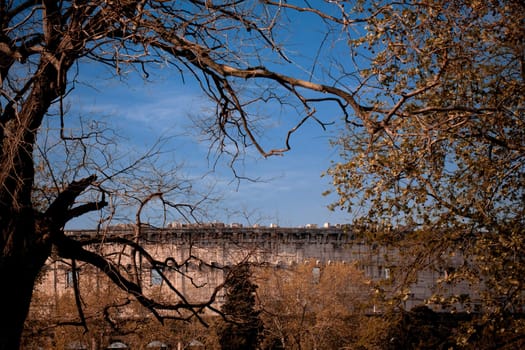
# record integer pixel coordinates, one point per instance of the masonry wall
(197, 252)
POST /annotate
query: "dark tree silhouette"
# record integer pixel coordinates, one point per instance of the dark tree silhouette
(242, 328)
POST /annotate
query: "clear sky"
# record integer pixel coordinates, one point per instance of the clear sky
(289, 188)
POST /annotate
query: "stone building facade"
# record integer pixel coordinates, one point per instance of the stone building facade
(195, 258)
(197, 249)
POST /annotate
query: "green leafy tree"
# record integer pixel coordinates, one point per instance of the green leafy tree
(242, 326)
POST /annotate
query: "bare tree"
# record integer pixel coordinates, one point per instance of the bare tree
(221, 44)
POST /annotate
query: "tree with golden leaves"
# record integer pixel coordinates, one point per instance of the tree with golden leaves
(310, 306)
(442, 157)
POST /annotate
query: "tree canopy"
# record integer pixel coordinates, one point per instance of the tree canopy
(443, 151)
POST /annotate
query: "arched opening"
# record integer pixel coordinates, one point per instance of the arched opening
(157, 345)
(117, 345)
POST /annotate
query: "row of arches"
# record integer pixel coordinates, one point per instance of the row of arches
(153, 345)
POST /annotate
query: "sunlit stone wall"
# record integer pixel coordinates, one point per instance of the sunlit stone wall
(195, 257)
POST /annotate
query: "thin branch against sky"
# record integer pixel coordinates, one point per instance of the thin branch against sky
(289, 188)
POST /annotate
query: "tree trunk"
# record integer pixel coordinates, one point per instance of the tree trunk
(20, 263)
(16, 297)
(25, 238)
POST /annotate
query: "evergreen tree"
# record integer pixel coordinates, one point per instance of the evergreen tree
(242, 326)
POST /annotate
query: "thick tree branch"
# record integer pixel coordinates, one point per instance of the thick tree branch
(59, 212)
(84, 209)
(200, 57)
(71, 249)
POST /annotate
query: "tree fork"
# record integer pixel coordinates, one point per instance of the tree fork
(29, 238)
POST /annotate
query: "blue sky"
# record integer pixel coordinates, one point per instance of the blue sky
(289, 190)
